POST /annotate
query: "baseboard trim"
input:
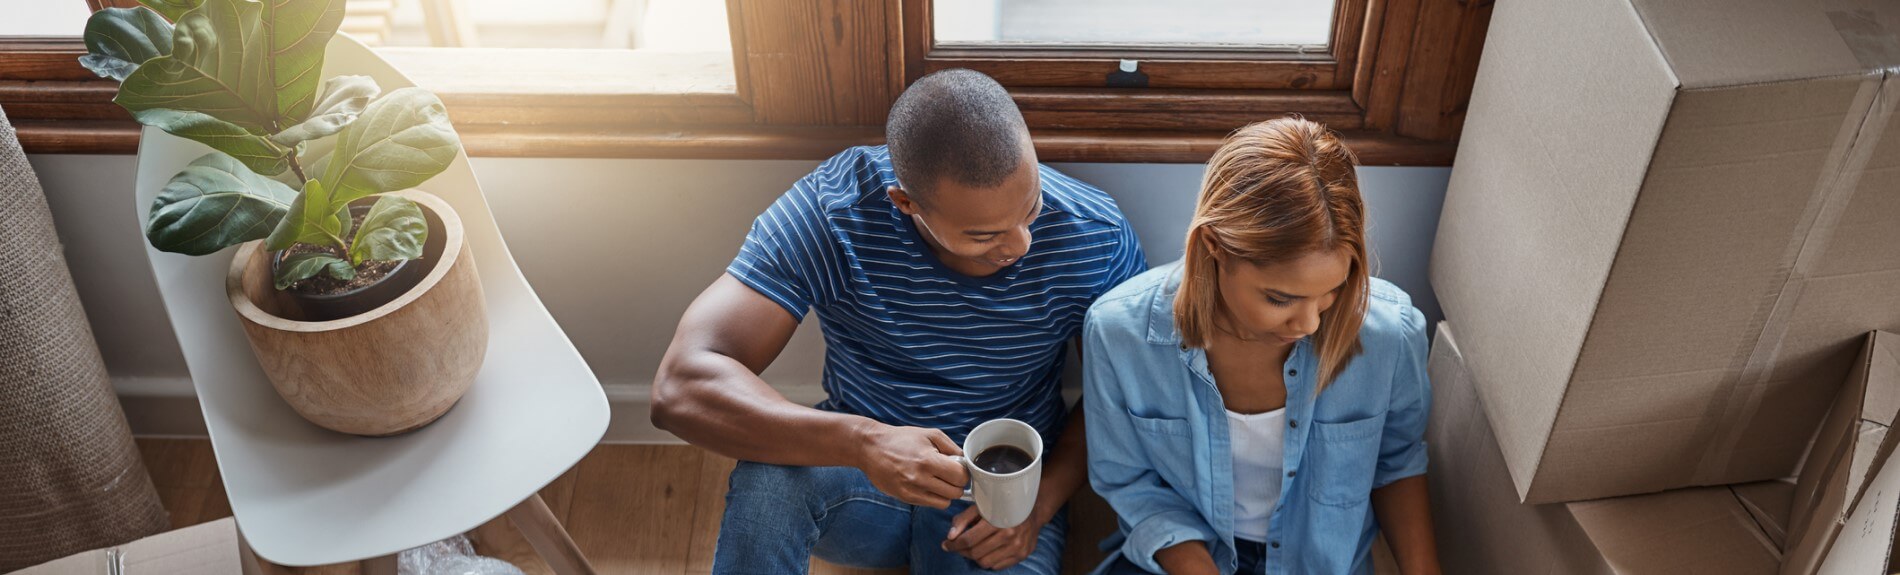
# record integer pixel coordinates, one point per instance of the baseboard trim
(157, 407)
(167, 408)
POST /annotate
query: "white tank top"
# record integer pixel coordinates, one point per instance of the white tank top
(1259, 462)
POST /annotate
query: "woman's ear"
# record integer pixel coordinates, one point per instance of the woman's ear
(1219, 256)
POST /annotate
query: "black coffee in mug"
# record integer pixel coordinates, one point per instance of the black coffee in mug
(1003, 459)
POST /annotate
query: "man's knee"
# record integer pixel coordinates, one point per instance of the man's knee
(784, 487)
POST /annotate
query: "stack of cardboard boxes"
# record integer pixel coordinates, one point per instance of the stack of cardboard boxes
(1670, 230)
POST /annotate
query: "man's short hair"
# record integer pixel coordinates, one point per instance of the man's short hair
(957, 124)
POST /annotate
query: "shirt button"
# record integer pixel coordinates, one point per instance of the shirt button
(1289, 474)
(1276, 545)
(1293, 423)
(1292, 372)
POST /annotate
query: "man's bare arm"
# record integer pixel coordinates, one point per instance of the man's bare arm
(708, 392)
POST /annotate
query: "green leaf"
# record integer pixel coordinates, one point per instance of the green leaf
(400, 141)
(299, 267)
(394, 230)
(213, 203)
(252, 64)
(298, 30)
(344, 221)
(344, 98)
(119, 39)
(311, 220)
(257, 152)
(315, 167)
(217, 67)
(171, 9)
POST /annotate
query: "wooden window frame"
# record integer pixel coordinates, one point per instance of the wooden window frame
(815, 76)
(1194, 98)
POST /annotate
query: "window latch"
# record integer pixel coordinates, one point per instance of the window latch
(1128, 75)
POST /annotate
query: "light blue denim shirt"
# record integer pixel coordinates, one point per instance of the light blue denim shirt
(1159, 448)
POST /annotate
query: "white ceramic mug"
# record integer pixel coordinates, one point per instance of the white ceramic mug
(1005, 500)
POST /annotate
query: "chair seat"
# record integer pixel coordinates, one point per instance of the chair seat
(303, 495)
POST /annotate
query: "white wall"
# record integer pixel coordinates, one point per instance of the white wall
(617, 249)
(43, 17)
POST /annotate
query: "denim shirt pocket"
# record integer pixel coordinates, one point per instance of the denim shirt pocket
(1161, 425)
(1170, 445)
(1342, 458)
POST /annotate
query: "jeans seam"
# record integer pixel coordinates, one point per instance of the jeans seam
(856, 497)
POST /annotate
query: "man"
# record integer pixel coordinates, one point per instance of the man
(949, 271)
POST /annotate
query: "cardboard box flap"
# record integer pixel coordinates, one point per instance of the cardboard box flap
(207, 548)
(212, 548)
(1853, 447)
(1769, 503)
(1697, 530)
(1882, 403)
(1788, 40)
(1831, 443)
(95, 562)
(1866, 541)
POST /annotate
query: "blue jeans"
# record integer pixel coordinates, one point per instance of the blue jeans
(778, 517)
(1253, 556)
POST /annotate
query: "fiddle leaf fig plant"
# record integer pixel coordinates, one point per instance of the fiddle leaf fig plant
(291, 150)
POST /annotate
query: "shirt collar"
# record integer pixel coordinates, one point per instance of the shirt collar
(1161, 328)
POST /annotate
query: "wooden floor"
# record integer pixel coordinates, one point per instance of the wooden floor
(623, 504)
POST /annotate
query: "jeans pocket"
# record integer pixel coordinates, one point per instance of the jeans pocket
(1342, 458)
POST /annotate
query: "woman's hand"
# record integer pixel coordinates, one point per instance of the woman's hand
(992, 548)
(1187, 558)
(1405, 515)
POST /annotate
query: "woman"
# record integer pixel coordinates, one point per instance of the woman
(1259, 406)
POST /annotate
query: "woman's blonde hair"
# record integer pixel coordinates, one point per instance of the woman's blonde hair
(1276, 191)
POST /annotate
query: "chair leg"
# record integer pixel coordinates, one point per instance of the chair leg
(449, 24)
(537, 524)
(623, 19)
(248, 561)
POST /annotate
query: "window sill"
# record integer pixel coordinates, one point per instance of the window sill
(777, 143)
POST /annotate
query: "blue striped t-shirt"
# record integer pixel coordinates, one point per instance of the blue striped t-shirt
(911, 342)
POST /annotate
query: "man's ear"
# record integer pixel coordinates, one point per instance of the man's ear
(903, 201)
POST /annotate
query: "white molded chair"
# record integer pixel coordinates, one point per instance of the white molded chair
(303, 495)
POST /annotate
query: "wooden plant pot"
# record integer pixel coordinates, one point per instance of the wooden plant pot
(387, 371)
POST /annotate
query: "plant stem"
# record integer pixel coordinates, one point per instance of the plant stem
(295, 167)
(339, 241)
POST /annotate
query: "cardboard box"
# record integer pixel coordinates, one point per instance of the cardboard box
(1692, 530)
(1669, 227)
(1847, 489)
(1482, 529)
(205, 549)
(1734, 529)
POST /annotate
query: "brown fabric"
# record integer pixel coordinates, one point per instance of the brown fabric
(70, 476)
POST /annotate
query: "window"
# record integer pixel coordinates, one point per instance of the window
(1265, 25)
(553, 46)
(1097, 80)
(1130, 80)
(1193, 44)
